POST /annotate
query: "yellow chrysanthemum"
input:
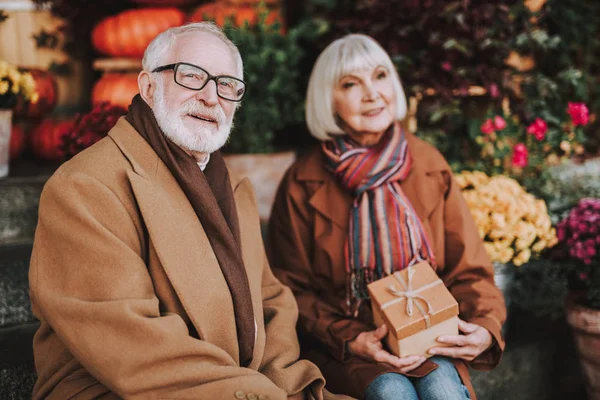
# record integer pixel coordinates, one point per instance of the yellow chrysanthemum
(522, 257)
(13, 82)
(505, 256)
(512, 223)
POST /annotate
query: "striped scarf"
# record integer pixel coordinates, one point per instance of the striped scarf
(385, 234)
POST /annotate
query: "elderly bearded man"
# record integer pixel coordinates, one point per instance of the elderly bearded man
(148, 273)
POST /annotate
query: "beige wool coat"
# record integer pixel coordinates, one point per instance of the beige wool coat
(131, 298)
(307, 231)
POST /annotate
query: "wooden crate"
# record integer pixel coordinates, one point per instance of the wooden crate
(19, 48)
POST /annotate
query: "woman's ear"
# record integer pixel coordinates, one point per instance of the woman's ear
(146, 85)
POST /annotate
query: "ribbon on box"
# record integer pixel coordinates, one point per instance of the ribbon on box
(411, 295)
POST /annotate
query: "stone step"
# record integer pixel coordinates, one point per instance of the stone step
(15, 307)
(19, 201)
(17, 323)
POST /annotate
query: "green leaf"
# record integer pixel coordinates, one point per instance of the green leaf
(453, 44)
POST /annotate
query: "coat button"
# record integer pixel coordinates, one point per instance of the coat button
(252, 396)
(240, 395)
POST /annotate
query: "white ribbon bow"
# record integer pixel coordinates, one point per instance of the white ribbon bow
(411, 295)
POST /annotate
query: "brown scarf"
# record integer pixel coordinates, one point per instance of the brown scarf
(211, 196)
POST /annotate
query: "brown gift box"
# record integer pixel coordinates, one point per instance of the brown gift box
(415, 290)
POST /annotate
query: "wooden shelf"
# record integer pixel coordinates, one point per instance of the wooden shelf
(118, 64)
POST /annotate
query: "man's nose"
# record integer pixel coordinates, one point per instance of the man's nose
(208, 94)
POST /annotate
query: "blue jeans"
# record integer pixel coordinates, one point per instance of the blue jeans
(441, 384)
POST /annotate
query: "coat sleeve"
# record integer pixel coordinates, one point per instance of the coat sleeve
(280, 360)
(90, 283)
(469, 274)
(289, 246)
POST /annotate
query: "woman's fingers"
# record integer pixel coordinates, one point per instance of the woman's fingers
(380, 332)
(410, 362)
(467, 327)
(456, 340)
(466, 353)
(413, 366)
(383, 356)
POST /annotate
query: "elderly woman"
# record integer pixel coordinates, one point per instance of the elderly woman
(373, 199)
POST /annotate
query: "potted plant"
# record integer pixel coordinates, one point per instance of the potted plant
(15, 86)
(274, 101)
(579, 236)
(514, 225)
(524, 149)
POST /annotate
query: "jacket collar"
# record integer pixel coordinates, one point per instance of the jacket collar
(422, 186)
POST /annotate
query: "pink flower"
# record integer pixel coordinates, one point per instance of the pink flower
(447, 66)
(538, 128)
(520, 155)
(494, 91)
(487, 127)
(583, 276)
(579, 113)
(499, 123)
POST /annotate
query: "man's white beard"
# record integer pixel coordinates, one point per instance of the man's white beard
(203, 140)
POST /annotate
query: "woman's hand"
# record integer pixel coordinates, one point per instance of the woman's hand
(475, 341)
(368, 346)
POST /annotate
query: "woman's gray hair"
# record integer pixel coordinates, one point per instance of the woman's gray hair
(352, 53)
(158, 49)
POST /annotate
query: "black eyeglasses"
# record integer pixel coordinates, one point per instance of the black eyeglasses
(193, 77)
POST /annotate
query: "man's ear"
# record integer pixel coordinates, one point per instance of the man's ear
(147, 86)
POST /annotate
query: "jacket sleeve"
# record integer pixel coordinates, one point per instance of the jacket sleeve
(469, 274)
(289, 246)
(280, 360)
(89, 282)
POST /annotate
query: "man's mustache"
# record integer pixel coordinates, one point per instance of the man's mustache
(215, 112)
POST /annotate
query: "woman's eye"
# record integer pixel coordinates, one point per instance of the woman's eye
(347, 85)
(381, 75)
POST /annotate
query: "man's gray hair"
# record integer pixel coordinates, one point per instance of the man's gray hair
(159, 47)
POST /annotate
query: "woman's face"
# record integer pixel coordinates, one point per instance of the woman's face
(366, 103)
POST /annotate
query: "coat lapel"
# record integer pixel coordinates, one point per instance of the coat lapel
(333, 202)
(180, 242)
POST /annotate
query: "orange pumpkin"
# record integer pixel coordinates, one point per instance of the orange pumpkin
(47, 89)
(17, 142)
(249, 2)
(128, 34)
(117, 89)
(165, 3)
(46, 139)
(219, 12)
